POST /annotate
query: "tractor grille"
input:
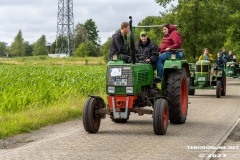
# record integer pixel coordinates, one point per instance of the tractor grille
(120, 89)
(126, 74)
(203, 67)
(142, 77)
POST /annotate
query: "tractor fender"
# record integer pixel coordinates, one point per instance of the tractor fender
(100, 100)
(177, 64)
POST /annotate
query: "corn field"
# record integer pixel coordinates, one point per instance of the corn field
(25, 87)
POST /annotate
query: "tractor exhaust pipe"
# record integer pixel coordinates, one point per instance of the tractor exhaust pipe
(132, 43)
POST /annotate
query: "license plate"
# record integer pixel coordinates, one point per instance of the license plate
(120, 82)
(201, 78)
(230, 71)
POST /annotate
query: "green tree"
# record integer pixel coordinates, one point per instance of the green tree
(233, 32)
(201, 23)
(18, 47)
(105, 49)
(153, 33)
(28, 49)
(61, 45)
(81, 34)
(164, 2)
(81, 50)
(3, 49)
(53, 47)
(92, 32)
(86, 49)
(40, 46)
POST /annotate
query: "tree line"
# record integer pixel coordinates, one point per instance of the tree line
(203, 24)
(86, 38)
(209, 24)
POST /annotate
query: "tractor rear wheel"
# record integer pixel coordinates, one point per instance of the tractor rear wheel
(91, 120)
(218, 89)
(160, 117)
(177, 93)
(191, 91)
(223, 85)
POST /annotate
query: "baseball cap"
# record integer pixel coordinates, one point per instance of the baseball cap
(143, 33)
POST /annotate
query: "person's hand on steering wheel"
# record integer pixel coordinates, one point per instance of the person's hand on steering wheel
(148, 60)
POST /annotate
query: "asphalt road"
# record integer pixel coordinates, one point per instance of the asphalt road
(208, 122)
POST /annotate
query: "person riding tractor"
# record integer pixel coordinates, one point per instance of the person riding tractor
(206, 55)
(232, 67)
(171, 40)
(220, 65)
(202, 77)
(146, 50)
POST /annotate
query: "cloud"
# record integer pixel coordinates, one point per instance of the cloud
(36, 18)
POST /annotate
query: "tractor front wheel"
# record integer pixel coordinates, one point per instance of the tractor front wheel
(191, 91)
(218, 89)
(91, 119)
(177, 93)
(160, 117)
(223, 85)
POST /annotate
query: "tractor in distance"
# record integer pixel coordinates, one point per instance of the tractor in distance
(233, 69)
(201, 78)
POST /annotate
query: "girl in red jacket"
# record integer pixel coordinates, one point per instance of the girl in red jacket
(171, 40)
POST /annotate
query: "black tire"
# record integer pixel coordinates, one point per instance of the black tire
(118, 120)
(91, 120)
(218, 89)
(160, 117)
(223, 85)
(191, 91)
(177, 94)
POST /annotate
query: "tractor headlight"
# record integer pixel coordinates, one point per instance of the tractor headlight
(129, 89)
(111, 89)
(173, 56)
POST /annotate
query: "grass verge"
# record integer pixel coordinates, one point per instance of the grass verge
(35, 118)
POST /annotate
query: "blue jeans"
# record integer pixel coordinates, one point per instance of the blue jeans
(161, 60)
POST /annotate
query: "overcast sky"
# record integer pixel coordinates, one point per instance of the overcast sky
(38, 17)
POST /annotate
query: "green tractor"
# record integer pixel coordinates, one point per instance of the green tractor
(201, 78)
(232, 69)
(131, 88)
(191, 80)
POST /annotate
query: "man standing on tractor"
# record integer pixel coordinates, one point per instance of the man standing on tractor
(171, 40)
(206, 55)
(119, 44)
(146, 50)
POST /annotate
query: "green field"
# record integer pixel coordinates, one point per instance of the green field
(36, 92)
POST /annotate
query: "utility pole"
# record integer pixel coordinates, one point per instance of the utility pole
(65, 28)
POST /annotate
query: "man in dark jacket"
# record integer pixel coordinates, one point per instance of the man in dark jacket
(231, 57)
(146, 50)
(119, 44)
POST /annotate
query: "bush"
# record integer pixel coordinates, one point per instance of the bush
(86, 49)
